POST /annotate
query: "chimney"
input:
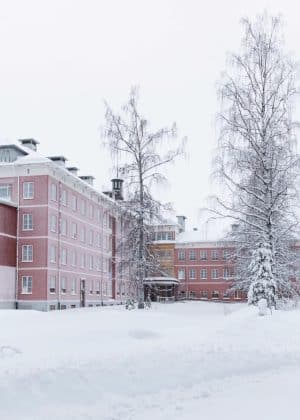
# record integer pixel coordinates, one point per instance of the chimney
(59, 160)
(181, 221)
(30, 143)
(89, 179)
(73, 170)
(117, 188)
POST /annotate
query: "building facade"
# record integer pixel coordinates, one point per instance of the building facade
(203, 269)
(61, 234)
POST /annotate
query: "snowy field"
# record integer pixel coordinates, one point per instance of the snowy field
(184, 361)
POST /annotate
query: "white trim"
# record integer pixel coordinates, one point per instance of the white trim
(7, 235)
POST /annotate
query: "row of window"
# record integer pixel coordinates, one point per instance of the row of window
(78, 204)
(89, 236)
(205, 294)
(216, 273)
(70, 285)
(215, 254)
(27, 188)
(162, 236)
(85, 261)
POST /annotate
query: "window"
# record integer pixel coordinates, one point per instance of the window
(26, 285)
(73, 287)
(52, 253)
(82, 260)
(203, 273)
(225, 295)
(237, 295)
(28, 190)
(214, 255)
(192, 274)
(181, 274)
(91, 287)
(226, 254)
(5, 192)
(98, 288)
(91, 211)
(226, 272)
(27, 222)
(53, 223)
(27, 253)
(91, 237)
(74, 202)
(82, 234)
(91, 262)
(214, 273)
(74, 230)
(52, 307)
(52, 284)
(63, 227)
(192, 255)
(53, 192)
(98, 264)
(98, 215)
(97, 240)
(192, 295)
(215, 294)
(63, 256)
(170, 236)
(181, 255)
(73, 258)
(83, 207)
(63, 286)
(203, 255)
(64, 198)
(203, 294)
(62, 307)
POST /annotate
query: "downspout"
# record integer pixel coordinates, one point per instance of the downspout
(17, 246)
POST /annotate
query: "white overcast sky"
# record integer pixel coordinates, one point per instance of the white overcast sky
(61, 58)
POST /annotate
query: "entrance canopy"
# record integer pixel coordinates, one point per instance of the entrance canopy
(161, 281)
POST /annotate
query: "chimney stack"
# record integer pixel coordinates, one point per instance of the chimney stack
(73, 170)
(117, 188)
(30, 143)
(59, 160)
(89, 179)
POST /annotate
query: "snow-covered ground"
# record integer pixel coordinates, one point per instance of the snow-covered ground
(182, 361)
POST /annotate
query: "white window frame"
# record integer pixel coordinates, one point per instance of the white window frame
(63, 285)
(203, 273)
(8, 189)
(192, 255)
(203, 254)
(52, 282)
(181, 255)
(26, 285)
(27, 221)
(28, 190)
(52, 253)
(215, 273)
(214, 255)
(53, 223)
(74, 202)
(181, 274)
(53, 192)
(27, 253)
(63, 256)
(73, 286)
(192, 273)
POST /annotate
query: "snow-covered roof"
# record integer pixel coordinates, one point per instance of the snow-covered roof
(197, 236)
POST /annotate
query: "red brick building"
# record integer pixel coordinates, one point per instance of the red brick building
(58, 234)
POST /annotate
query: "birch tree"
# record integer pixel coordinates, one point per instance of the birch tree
(140, 153)
(257, 161)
